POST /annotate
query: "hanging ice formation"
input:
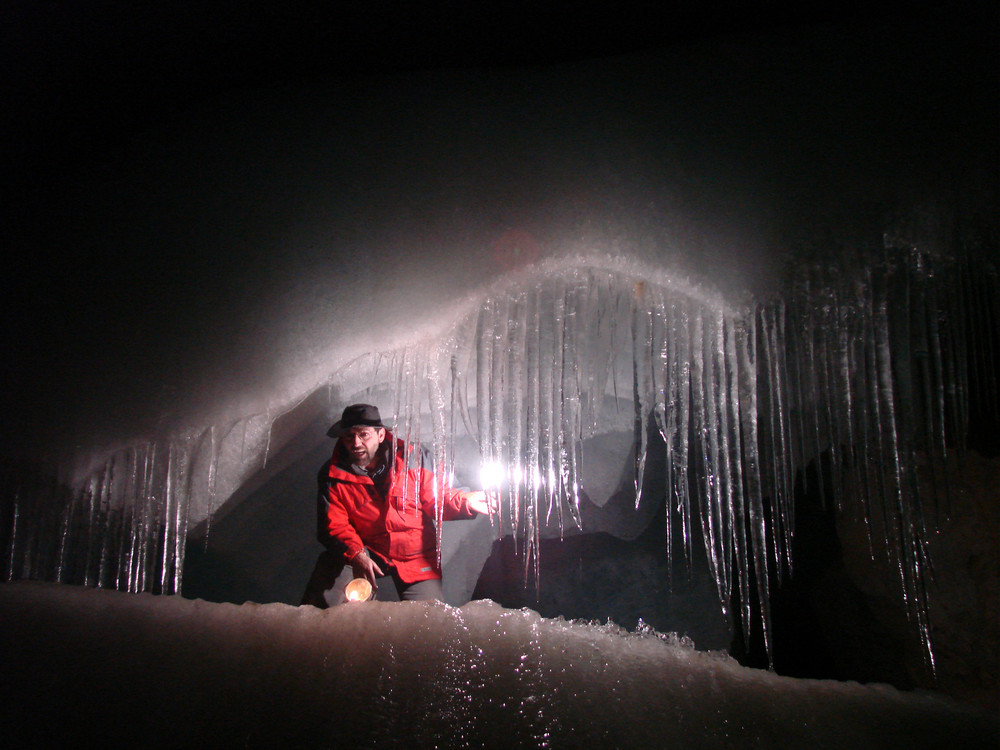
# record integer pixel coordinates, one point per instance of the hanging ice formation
(866, 374)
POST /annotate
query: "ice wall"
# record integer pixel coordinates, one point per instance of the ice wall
(126, 670)
(864, 369)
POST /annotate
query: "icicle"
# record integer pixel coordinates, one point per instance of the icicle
(65, 528)
(497, 382)
(926, 376)
(679, 419)
(417, 376)
(92, 495)
(896, 531)
(782, 458)
(878, 430)
(104, 511)
(129, 494)
(547, 323)
(720, 431)
(746, 346)
(267, 443)
(145, 539)
(571, 406)
(662, 381)
(439, 460)
(181, 520)
(484, 369)
(213, 479)
(830, 354)
(519, 373)
(733, 453)
(938, 396)
(169, 501)
(642, 388)
(851, 325)
(704, 428)
(813, 395)
(533, 424)
(11, 552)
(557, 458)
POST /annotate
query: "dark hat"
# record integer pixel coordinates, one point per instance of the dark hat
(354, 415)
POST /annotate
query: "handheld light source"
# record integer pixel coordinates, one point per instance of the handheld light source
(359, 590)
(491, 475)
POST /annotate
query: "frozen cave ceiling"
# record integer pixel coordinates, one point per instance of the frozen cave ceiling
(205, 232)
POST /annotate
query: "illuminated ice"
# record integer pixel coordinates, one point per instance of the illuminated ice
(532, 368)
(143, 671)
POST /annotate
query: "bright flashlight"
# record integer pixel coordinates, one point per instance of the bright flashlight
(491, 475)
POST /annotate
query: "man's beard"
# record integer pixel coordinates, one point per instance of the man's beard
(370, 463)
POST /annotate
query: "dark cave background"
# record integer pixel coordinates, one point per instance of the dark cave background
(79, 80)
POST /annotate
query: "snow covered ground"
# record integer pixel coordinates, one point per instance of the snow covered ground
(110, 669)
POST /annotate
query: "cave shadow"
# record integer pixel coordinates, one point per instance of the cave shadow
(822, 625)
(264, 548)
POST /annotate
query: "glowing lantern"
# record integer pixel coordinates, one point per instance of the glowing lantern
(359, 590)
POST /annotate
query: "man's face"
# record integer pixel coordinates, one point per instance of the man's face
(362, 444)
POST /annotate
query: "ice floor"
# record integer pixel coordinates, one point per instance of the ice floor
(111, 669)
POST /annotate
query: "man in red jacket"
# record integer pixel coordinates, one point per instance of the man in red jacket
(376, 511)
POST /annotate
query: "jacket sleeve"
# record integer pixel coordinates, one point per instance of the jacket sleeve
(338, 528)
(332, 544)
(455, 504)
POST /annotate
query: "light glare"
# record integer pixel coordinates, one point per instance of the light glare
(491, 475)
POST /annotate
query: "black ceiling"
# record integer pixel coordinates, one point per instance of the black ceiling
(74, 72)
(76, 77)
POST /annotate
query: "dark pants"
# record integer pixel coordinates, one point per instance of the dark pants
(331, 575)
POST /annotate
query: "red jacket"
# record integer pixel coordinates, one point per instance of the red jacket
(399, 527)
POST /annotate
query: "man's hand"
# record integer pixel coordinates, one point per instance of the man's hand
(484, 502)
(364, 567)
